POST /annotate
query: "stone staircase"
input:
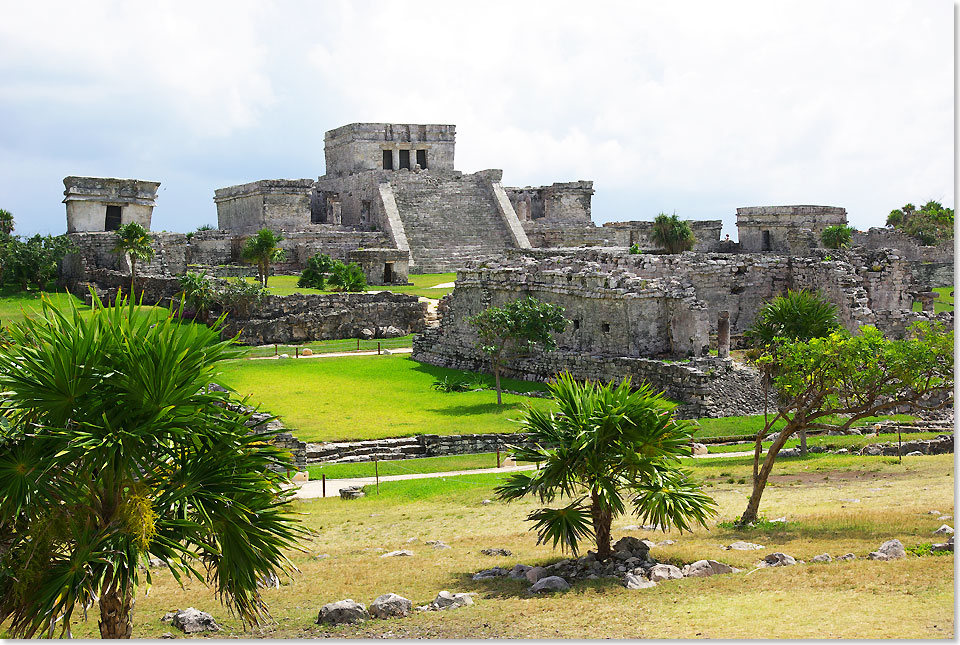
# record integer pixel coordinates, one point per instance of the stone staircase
(449, 219)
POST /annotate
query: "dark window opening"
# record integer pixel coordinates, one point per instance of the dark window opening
(606, 327)
(765, 244)
(364, 211)
(422, 159)
(576, 325)
(405, 159)
(112, 221)
(388, 159)
(388, 272)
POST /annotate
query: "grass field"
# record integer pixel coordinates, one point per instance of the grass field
(751, 425)
(423, 285)
(406, 466)
(909, 598)
(16, 305)
(325, 399)
(943, 303)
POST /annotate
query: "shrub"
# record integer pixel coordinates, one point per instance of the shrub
(635, 249)
(836, 237)
(315, 274)
(347, 277)
(673, 234)
(238, 296)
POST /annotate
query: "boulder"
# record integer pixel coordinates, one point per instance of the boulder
(633, 581)
(848, 556)
(447, 600)
(779, 560)
(519, 571)
(873, 450)
(403, 553)
(889, 550)
(390, 605)
(698, 449)
(789, 452)
(664, 572)
(366, 334)
(486, 574)
(703, 568)
(192, 621)
(743, 546)
(156, 563)
(823, 557)
(497, 552)
(945, 546)
(915, 453)
(945, 529)
(536, 573)
(306, 351)
(351, 492)
(342, 612)
(550, 583)
(438, 544)
(635, 547)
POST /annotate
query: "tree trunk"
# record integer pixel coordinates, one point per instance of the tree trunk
(803, 442)
(496, 377)
(753, 504)
(602, 519)
(116, 614)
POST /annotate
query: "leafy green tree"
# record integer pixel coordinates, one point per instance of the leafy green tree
(35, 260)
(853, 377)
(114, 450)
(198, 292)
(315, 273)
(263, 249)
(672, 234)
(6, 222)
(603, 446)
(517, 328)
(930, 224)
(134, 241)
(346, 277)
(799, 315)
(836, 237)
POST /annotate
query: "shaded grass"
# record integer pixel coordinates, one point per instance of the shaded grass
(327, 399)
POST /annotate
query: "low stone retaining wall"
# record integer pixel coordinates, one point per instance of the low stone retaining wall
(424, 445)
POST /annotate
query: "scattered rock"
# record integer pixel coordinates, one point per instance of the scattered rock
(438, 544)
(944, 518)
(789, 452)
(667, 542)
(945, 529)
(779, 559)
(848, 556)
(306, 352)
(550, 583)
(779, 520)
(933, 512)
(366, 334)
(889, 550)
(872, 450)
(487, 501)
(497, 552)
(351, 492)
(915, 453)
(409, 540)
(321, 556)
(168, 617)
(390, 605)
(166, 635)
(447, 600)
(400, 553)
(192, 621)
(823, 557)
(342, 612)
(664, 572)
(945, 546)
(519, 571)
(698, 449)
(633, 581)
(536, 573)
(744, 546)
(269, 581)
(486, 574)
(704, 568)
(156, 563)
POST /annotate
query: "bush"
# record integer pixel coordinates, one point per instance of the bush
(836, 237)
(450, 384)
(635, 249)
(347, 277)
(314, 276)
(239, 296)
(672, 234)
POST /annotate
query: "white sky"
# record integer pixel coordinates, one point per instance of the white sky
(688, 107)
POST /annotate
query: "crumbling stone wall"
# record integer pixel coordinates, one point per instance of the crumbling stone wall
(706, 233)
(930, 266)
(277, 204)
(562, 204)
(770, 228)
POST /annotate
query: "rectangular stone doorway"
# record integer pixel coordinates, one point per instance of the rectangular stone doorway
(405, 159)
(112, 220)
(387, 272)
(422, 159)
(388, 159)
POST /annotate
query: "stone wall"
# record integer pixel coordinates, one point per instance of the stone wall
(277, 204)
(382, 266)
(424, 445)
(361, 146)
(769, 228)
(562, 204)
(87, 199)
(706, 233)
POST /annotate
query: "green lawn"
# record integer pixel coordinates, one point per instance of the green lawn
(943, 303)
(751, 425)
(15, 305)
(444, 464)
(423, 285)
(844, 441)
(325, 399)
(328, 346)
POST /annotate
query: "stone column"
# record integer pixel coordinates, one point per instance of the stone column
(396, 158)
(723, 334)
(926, 300)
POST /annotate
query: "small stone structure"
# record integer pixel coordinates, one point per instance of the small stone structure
(781, 229)
(104, 204)
(382, 266)
(277, 204)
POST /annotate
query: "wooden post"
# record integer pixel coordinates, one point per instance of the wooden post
(276, 350)
(378, 348)
(323, 477)
(358, 344)
(297, 350)
(899, 444)
(376, 471)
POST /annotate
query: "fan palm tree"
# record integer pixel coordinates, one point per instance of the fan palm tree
(672, 233)
(133, 240)
(6, 222)
(113, 451)
(263, 249)
(603, 445)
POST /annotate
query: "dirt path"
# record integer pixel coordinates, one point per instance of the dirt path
(314, 488)
(395, 350)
